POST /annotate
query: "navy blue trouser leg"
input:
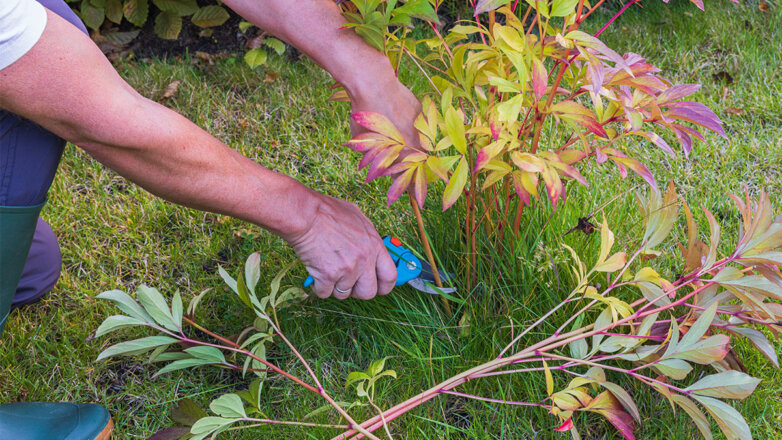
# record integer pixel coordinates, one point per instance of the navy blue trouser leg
(29, 156)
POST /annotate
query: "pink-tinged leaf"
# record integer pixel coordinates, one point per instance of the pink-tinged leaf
(600, 156)
(572, 156)
(637, 168)
(399, 167)
(649, 84)
(567, 425)
(696, 113)
(488, 153)
(684, 140)
(539, 78)
(369, 157)
(676, 92)
(455, 186)
(578, 113)
(399, 186)
(382, 162)
(495, 131)
(554, 186)
(528, 162)
(657, 140)
(518, 185)
(609, 407)
(594, 43)
(378, 123)
(419, 186)
(699, 4)
(366, 141)
(569, 171)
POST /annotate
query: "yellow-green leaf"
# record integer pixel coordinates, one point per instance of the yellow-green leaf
(456, 184)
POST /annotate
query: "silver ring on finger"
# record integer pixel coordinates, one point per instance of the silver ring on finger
(342, 291)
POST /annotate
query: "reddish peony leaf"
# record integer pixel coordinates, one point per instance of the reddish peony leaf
(567, 425)
(696, 113)
(609, 407)
(399, 186)
(366, 141)
(539, 78)
(657, 140)
(379, 124)
(637, 168)
(676, 92)
(419, 186)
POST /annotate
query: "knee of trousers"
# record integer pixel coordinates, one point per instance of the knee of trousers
(42, 268)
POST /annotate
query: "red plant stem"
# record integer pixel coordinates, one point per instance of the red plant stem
(658, 338)
(740, 314)
(261, 422)
(237, 348)
(621, 370)
(487, 399)
(589, 12)
(621, 11)
(539, 349)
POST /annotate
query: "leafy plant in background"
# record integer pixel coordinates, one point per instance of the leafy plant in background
(168, 19)
(257, 46)
(641, 325)
(514, 108)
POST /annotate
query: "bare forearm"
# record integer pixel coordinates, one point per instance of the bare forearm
(66, 85)
(172, 158)
(313, 27)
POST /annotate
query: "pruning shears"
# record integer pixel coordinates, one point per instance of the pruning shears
(410, 269)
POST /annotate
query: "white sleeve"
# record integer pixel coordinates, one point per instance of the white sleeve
(21, 25)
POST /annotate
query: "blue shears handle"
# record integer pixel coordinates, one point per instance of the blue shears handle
(408, 266)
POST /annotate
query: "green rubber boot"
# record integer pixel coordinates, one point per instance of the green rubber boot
(28, 420)
(17, 227)
(54, 421)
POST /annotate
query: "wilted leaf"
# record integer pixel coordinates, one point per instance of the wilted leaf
(171, 89)
(171, 433)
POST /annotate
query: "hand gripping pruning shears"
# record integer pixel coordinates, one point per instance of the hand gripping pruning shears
(409, 269)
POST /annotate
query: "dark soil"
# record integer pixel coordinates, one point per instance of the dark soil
(223, 39)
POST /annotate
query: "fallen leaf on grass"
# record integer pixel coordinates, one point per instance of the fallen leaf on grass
(170, 90)
(270, 77)
(764, 7)
(254, 43)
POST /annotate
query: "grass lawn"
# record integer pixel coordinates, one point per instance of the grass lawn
(115, 235)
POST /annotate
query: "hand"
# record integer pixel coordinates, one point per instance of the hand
(343, 252)
(393, 100)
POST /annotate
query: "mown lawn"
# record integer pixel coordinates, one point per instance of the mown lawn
(115, 235)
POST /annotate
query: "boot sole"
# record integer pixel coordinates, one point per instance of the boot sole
(106, 433)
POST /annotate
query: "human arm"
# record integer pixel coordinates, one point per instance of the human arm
(313, 27)
(65, 84)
